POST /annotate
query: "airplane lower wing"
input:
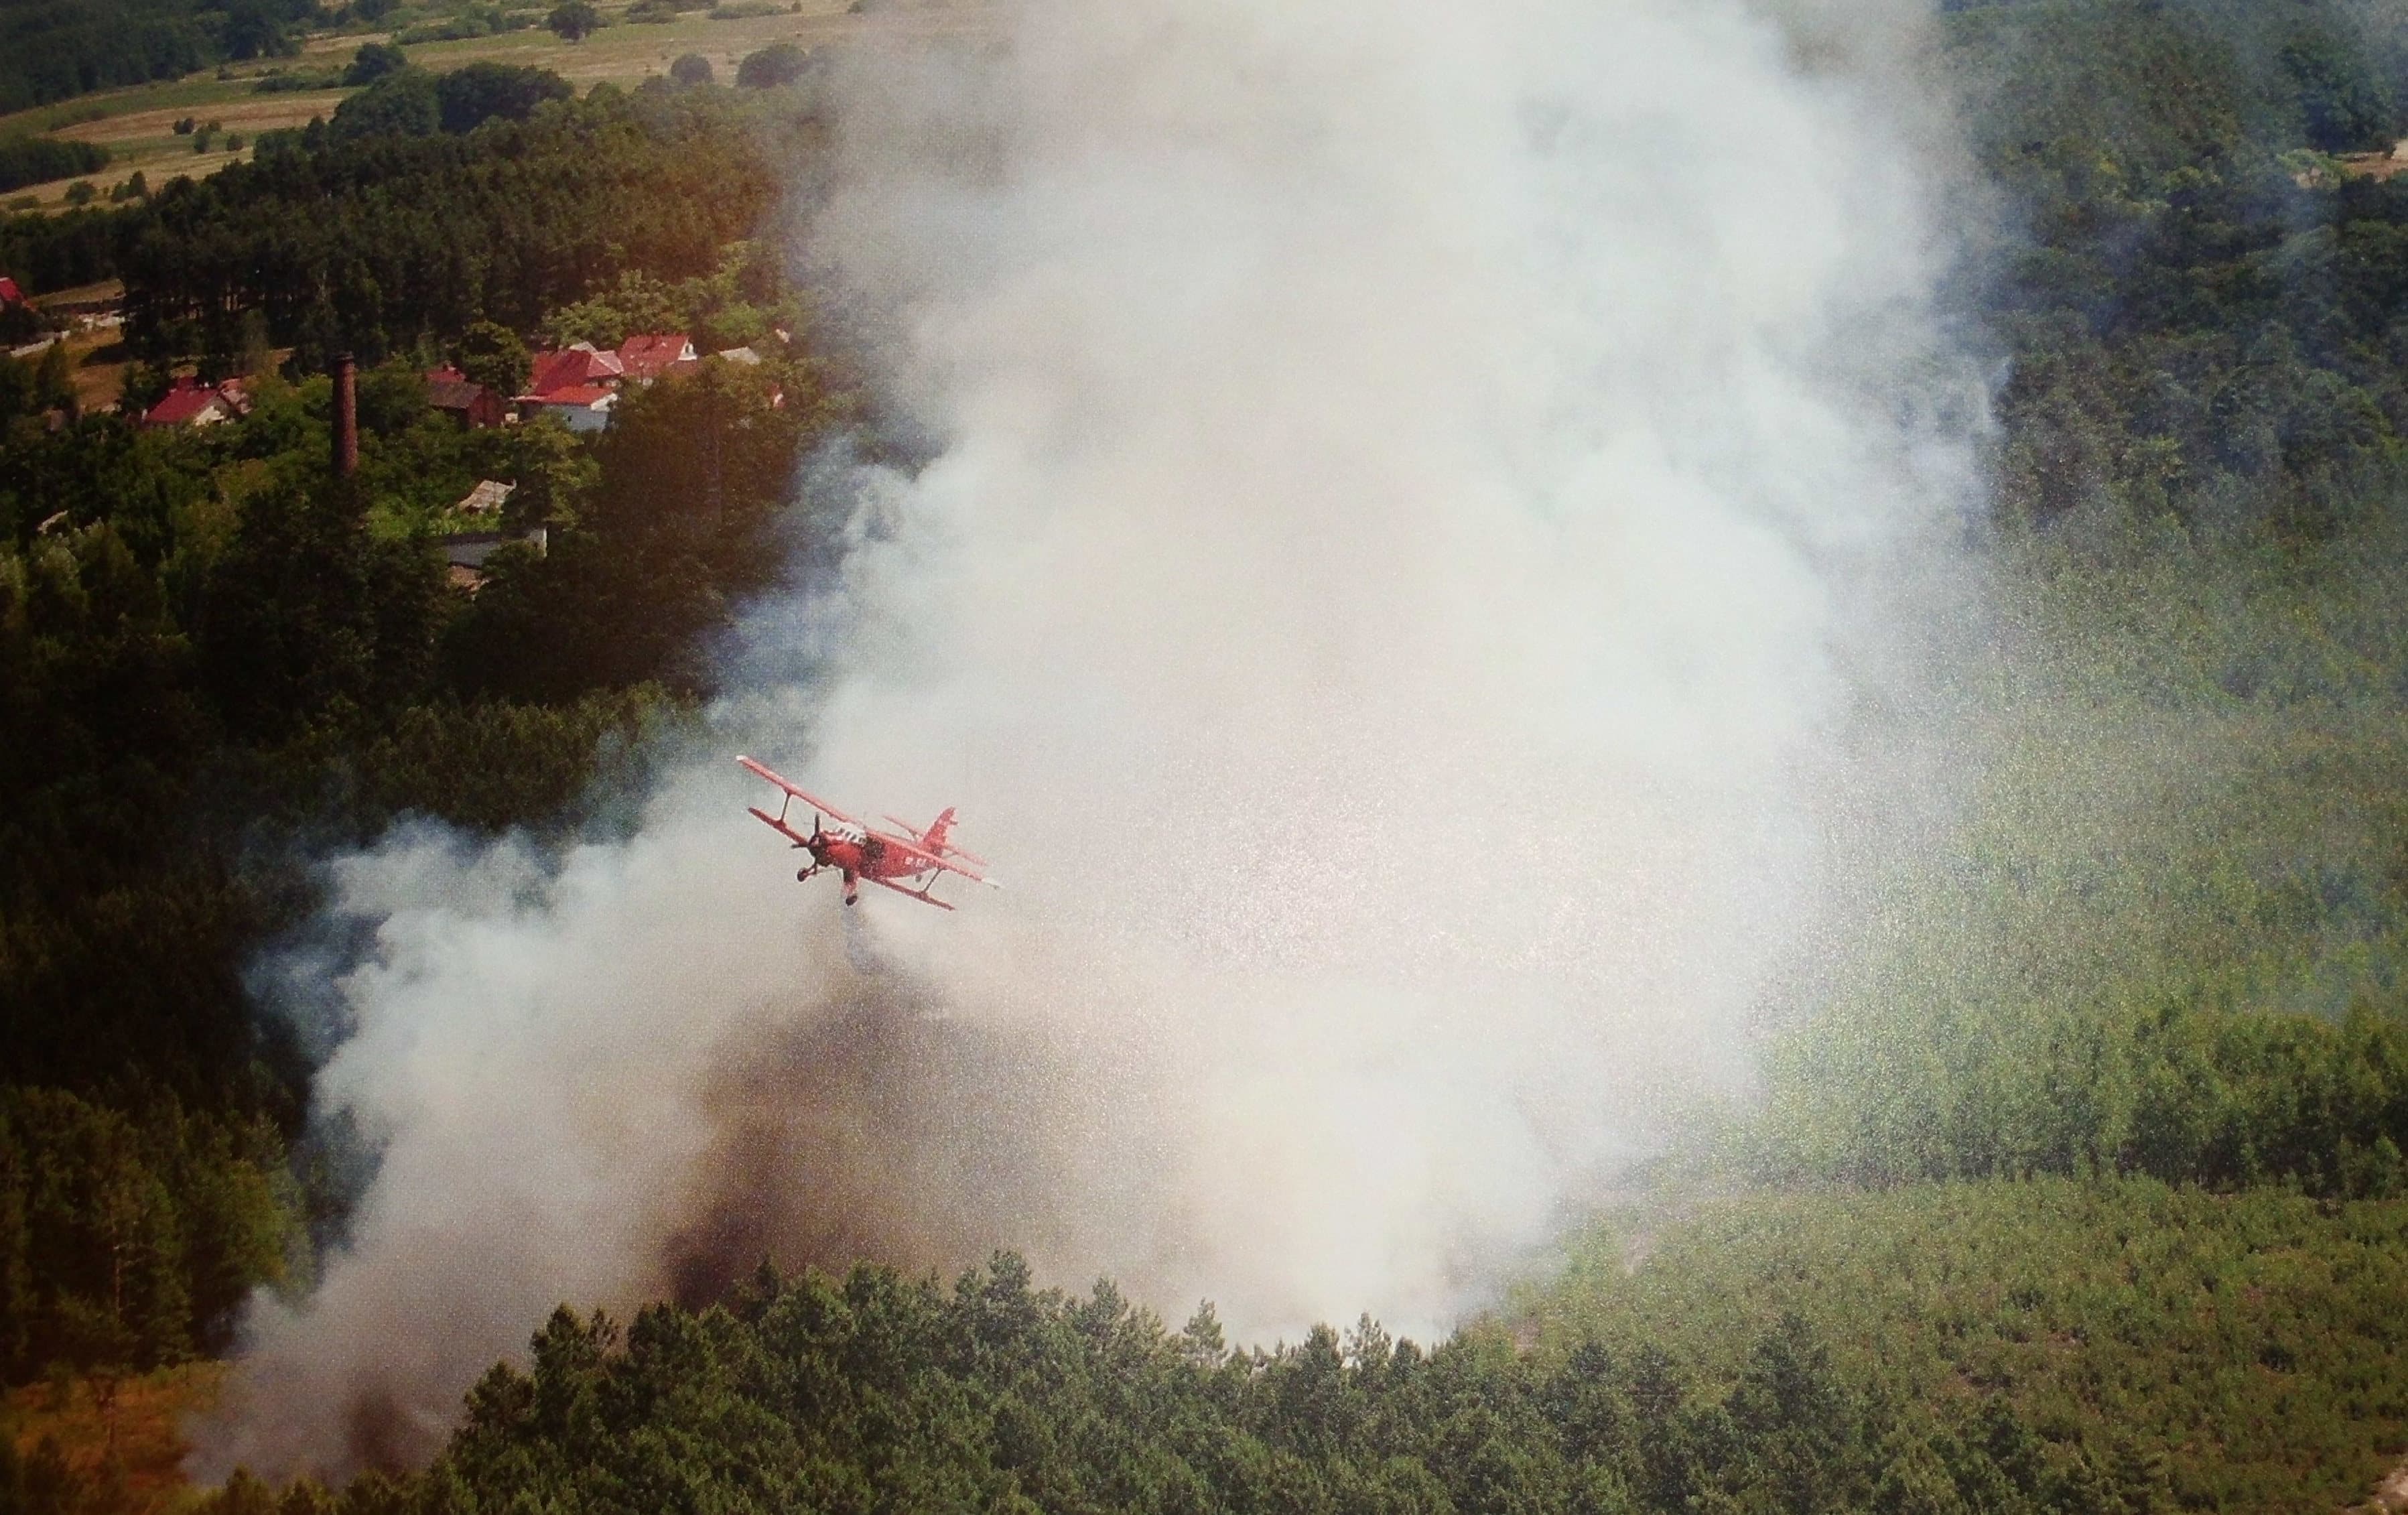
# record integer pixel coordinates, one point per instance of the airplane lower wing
(921, 894)
(779, 826)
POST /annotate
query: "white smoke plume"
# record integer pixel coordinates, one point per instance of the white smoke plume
(1435, 521)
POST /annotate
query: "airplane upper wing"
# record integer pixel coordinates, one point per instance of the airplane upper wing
(813, 800)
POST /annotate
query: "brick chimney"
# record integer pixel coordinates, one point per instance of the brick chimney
(346, 416)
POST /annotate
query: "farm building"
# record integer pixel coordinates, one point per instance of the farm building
(470, 404)
(586, 408)
(486, 499)
(192, 402)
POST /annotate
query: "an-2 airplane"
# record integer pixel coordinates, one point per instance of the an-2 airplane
(856, 852)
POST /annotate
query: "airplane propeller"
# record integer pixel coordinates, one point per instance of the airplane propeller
(815, 846)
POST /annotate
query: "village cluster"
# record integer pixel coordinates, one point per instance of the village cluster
(581, 384)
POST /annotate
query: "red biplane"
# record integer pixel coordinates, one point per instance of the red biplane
(855, 852)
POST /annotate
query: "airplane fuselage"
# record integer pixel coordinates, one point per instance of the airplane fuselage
(873, 855)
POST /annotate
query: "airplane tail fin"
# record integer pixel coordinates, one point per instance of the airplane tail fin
(934, 837)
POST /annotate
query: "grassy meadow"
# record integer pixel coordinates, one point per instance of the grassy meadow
(135, 124)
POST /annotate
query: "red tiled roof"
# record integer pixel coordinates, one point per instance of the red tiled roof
(551, 370)
(585, 394)
(648, 354)
(573, 365)
(446, 375)
(186, 400)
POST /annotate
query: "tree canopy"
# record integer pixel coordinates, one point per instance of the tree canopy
(574, 19)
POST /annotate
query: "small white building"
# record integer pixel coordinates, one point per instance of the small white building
(586, 408)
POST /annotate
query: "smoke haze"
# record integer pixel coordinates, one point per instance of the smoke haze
(1437, 522)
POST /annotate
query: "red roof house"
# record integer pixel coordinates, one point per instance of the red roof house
(648, 355)
(192, 402)
(572, 367)
(472, 405)
(586, 408)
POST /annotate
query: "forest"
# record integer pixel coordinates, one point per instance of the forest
(31, 160)
(62, 49)
(216, 655)
(2115, 1348)
(2078, 1187)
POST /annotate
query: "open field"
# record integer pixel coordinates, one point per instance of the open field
(146, 1434)
(629, 53)
(136, 124)
(157, 169)
(96, 355)
(96, 362)
(153, 130)
(2377, 166)
(203, 94)
(144, 140)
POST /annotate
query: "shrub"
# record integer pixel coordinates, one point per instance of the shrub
(780, 63)
(373, 62)
(574, 21)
